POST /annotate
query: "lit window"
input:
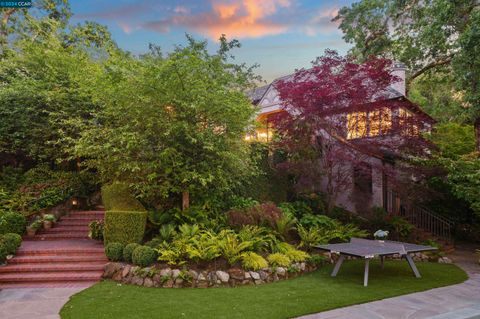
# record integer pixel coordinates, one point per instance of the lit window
(356, 125)
(386, 120)
(374, 123)
(406, 124)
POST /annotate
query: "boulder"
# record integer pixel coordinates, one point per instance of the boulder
(168, 283)
(110, 269)
(445, 260)
(148, 282)
(263, 275)
(126, 270)
(281, 271)
(236, 273)
(167, 272)
(137, 280)
(175, 273)
(222, 276)
(255, 275)
(118, 275)
(193, 274)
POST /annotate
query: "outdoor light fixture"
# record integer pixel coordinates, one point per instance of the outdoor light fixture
(74, 202)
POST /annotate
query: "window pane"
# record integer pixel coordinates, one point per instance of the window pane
(362, 124)
(374, 121)
(386, 120)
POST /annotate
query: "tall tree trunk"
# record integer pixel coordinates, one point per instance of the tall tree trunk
(477, 132)
(185, 200)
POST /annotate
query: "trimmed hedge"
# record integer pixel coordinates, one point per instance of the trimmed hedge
(144, 256)
(11, 222)
(117, 196)
(124, 226)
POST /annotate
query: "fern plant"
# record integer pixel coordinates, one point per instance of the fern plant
(167, 232)
(253, 261)
(203, 247)
(284, 226)
(310, 236)
(188, 231)
(231, 247)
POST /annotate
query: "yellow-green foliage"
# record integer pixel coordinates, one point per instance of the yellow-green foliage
(278, 259)
(253, 261)
(117, 196)
(124, 227)
(296, 255)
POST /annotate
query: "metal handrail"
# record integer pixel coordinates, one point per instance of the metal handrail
(421, 217)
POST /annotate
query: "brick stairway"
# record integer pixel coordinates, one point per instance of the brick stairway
(62, 256)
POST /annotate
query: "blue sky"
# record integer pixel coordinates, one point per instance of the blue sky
(280, 35)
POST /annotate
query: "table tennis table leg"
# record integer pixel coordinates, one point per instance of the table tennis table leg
(365, 275)
(382, 261)
(337, 265)
(412, 266)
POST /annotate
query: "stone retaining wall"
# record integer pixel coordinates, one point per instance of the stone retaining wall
(176, 278)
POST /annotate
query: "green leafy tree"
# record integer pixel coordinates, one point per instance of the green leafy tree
(453, 140)
(174, 124)
(428, 36)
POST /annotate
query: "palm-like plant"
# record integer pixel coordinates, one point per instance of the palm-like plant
(231, 247)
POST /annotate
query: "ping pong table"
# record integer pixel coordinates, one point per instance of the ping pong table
(369, 249)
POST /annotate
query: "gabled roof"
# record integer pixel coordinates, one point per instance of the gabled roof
(257, 94)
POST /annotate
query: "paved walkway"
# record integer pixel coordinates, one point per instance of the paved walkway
(28, 303)
(452, 302)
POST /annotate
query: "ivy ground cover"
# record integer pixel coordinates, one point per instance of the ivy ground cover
(311, 293)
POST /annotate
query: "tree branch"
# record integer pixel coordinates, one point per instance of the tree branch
(429, 66)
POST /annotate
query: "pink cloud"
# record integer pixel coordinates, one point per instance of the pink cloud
(236, 19)
(181, 10)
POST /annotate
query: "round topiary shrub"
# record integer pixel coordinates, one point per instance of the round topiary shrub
(3, 253)
(11, 242)
(114, 251)
(279, 260)
(11, 222)
(128, 251)
(144, 256)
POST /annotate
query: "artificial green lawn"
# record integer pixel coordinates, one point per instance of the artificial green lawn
(310, 293)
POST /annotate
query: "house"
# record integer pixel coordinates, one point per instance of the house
(369, 186)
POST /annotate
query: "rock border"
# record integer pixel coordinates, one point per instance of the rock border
(184, 278)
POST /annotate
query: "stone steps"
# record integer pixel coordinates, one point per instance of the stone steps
(54, 267)
(61, 256)
(38, 259)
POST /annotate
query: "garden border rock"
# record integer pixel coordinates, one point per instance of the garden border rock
(156, 276)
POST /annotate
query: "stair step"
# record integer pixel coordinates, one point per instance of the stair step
(53, 259)
(65, 230)
(73, 223)
(59, 236)
(79, 218)
(60, 267)
(62, 252)
(51, 276)
(48, 284)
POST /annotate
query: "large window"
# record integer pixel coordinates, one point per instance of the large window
(406, 122)
(373, 123)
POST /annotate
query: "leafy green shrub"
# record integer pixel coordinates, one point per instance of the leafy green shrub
(11, 222)
(118, 196)
(237, 202)
(49, 218)
(278, 260)
(403, 229)
(144, 256)
(3, 253)
(316, 260)
(96, 229)
(11, 242)
(266, 214)
(124, 226)
(155, 242)
(128, 251)
(253, 261)
(172, 254)
(114, 251)
(296, 255)
(310, 220)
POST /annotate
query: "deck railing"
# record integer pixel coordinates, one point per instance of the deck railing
(438, 226)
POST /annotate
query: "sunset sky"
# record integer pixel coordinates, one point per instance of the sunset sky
(280, 35)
